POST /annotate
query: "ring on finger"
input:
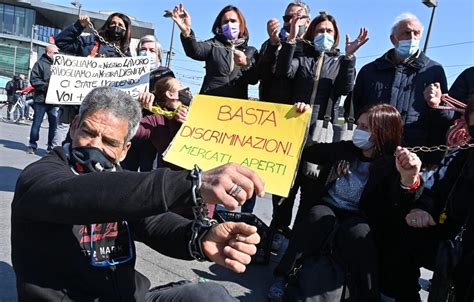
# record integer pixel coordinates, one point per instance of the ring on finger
(235, 190)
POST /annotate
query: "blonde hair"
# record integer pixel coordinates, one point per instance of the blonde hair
(164, 85)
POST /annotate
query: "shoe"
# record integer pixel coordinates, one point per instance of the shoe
(277, 290)
(31, 150)
(277, 241)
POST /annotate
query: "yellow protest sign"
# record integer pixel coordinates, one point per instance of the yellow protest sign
(265, 137)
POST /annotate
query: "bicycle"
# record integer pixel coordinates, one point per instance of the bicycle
(12, 113)
(16, 111)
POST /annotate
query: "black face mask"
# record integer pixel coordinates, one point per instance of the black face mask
(116, 33)
(185, 96)
(470, 130)
(90, 159)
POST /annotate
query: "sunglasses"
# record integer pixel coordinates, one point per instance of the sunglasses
(103, 254)
(287, 18)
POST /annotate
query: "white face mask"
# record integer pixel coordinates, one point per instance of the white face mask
(407, 48)
(361, 139)
(154, 63)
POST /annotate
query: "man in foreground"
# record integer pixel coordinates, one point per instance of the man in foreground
(75, 215)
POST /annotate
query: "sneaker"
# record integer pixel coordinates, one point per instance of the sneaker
(277, 290)
(277, 241)
(31, 150)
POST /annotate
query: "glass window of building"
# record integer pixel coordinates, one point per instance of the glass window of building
(8, 19)
(1, 18)
(20, 15)
(29, 21)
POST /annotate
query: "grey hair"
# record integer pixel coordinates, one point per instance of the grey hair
(404, 17)
(300, 4)
(114, 101)
(151, 38)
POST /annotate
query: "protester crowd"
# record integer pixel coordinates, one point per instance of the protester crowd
(372, 210)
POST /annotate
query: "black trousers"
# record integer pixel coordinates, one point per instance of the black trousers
(189, 292)
(353, 244)
(401, 259)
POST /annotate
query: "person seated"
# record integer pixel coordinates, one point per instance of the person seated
(81, 215)
(170, 106)
(363, 189)
(445, 208)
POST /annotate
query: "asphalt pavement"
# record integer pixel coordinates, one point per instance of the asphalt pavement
(249, 286)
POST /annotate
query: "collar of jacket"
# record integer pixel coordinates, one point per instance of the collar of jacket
(239, 43)
(385, 61)
(47, 58)
(311, 52)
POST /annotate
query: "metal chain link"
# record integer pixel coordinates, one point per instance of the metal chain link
(102, 40)
(443, 148)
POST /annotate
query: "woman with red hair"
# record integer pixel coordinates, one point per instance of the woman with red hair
(362, 193)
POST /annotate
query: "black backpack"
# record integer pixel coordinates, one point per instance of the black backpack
(319, 278)
(9, 87)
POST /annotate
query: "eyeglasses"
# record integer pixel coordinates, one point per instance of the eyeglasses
(103, 249)
(287, 18)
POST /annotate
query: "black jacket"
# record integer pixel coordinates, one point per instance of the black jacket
(402, 86)
(52, 205)
(336, 79)
(220, 80)
(463, 86)
(383, 201)
(70, 41)
(454, 191)
(39, 78)
(273, 88)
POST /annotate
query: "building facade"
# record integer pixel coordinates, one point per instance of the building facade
(27, 27)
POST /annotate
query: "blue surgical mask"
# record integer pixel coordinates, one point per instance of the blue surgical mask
(153, 61)
(231, 30)
(407, 48)
(323, 42)
(283, 34)
(361, 139)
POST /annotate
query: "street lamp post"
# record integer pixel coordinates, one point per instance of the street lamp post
(432, 4)
(78, 5)
(33, 29)
(169, 55)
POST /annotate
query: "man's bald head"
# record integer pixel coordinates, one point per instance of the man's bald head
(51, 50)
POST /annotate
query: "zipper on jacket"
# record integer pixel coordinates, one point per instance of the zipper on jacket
(112, 273)
(232, 63)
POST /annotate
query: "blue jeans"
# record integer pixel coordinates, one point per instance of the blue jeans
(40, 110)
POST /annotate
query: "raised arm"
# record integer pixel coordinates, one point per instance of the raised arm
(196, 50)
(69, 39)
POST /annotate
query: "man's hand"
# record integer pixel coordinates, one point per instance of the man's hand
(432, 94)
(418, 218)
(273, 28)
(231, 244)
(182, 18)
(408, 165)
(146, 100)
(84, 20)
(219, 185)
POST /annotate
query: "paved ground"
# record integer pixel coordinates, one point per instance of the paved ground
(250, 286)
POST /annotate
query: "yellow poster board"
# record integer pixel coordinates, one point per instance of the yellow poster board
(265, 137)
